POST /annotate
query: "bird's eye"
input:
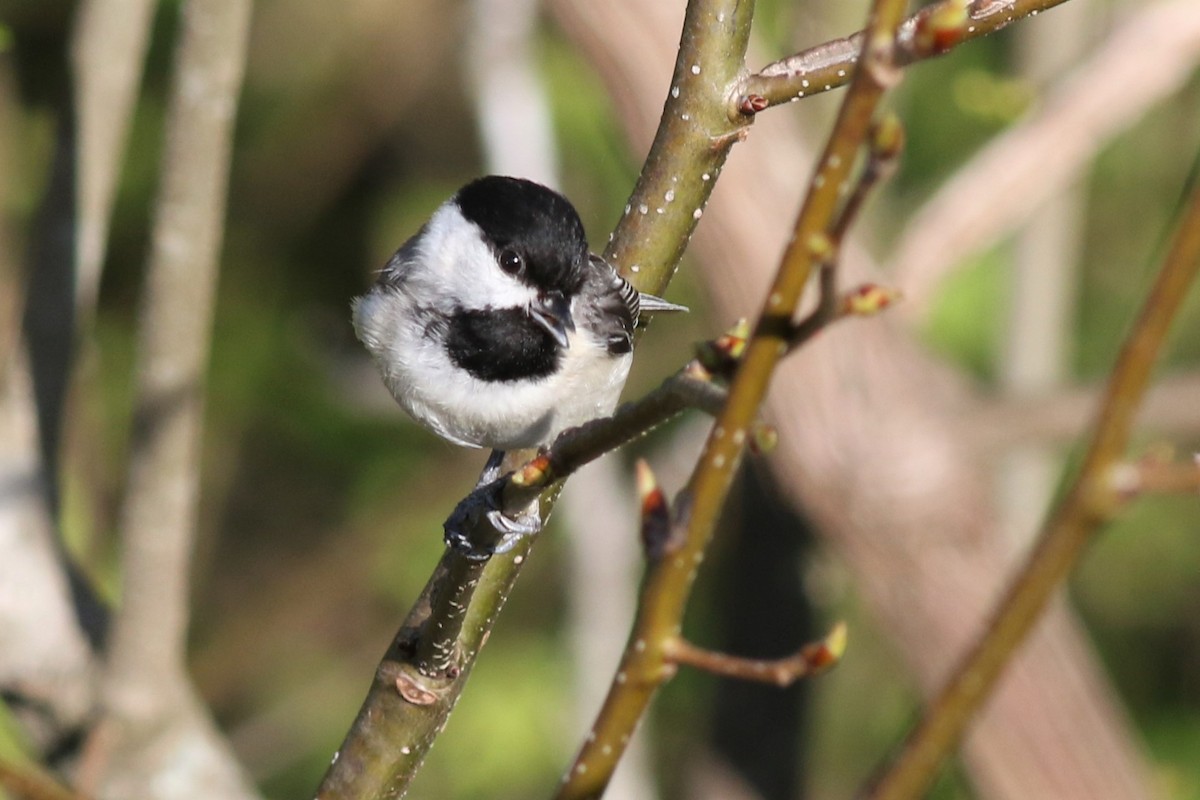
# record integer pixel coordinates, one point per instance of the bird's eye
(511, 262)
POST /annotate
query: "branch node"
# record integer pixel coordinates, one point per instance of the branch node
(725, 141)
(941, 29)
(880, 62)
(534, 473)
(720, 356)
(751, 104)
(822, 247)
(414, 690)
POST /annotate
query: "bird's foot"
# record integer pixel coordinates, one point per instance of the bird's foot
(487, 501)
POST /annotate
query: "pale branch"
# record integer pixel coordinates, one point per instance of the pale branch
(1152, 475)
(930, 32)
(644, 665)
(108, 48)
(992, 425)
(145, 687)
(1088, 504)
(810, 660)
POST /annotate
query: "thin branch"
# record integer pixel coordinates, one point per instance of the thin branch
(831, 65)
(808, 661)
(1090, 502)
(644, 665)
(107, 51)
(886, 142)
(158, 518)
(1155, 476)
(46, 662)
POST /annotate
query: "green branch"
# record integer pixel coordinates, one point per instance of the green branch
(1095, 495)
(649, 659)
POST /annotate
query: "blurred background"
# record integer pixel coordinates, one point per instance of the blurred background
(322, 504)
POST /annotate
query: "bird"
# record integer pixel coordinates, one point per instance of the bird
(495, 326)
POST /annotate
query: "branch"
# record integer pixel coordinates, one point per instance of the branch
(46, 664)
(145, 687)
(425, 669)
(886, 141)
(107, 51)
(812, 659)
(390, 736)
(932, 31)
(1154, 475)
(1091, 501)
(645, 665)
(1170, 409)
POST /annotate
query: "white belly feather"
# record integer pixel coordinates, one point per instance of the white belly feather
(503, 415)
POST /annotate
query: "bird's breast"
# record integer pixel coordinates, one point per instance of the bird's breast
(500, 345)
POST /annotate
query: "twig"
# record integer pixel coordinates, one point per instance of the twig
(1170, 409)
(782, 672)
(886, 142)
(645, 665)
(831, 65)
(1090, 503)
(1152, 475)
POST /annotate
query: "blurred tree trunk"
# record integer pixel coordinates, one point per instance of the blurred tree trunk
(866, 448)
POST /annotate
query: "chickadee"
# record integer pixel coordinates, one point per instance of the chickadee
(494, 326)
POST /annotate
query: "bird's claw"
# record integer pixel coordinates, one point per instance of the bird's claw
(486, 501)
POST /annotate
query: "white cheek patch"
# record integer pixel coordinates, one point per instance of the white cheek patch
(462, 271)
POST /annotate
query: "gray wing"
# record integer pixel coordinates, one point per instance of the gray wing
(619, 305)
(396, 269)
(611, 310)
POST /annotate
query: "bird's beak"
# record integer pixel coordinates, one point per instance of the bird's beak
(552, 310)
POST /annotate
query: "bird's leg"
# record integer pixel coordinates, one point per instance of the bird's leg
(487, 500)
